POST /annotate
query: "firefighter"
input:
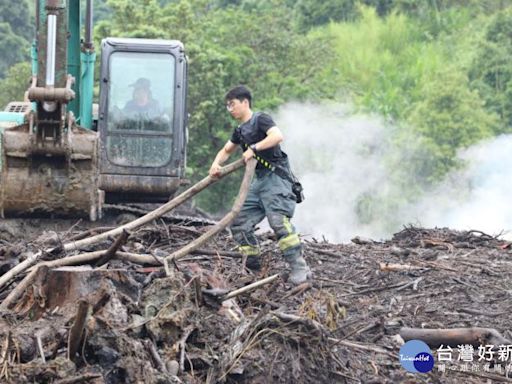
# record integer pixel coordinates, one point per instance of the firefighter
(270, 194)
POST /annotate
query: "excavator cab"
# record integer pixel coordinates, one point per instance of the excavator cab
(142, 119)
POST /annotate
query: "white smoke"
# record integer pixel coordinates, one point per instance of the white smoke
(479, 197)
(340, 158)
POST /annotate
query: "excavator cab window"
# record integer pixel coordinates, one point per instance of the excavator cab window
(140, 108)
(142, 119)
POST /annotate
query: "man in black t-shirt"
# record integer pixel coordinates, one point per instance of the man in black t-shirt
(270, 195)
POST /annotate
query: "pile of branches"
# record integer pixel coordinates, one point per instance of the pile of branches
(125, 320)
(158, 302)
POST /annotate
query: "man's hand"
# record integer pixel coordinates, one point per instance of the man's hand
(221, 157)
(215, 170)
(248, 155)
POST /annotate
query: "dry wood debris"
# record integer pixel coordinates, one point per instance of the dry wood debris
(126, 321)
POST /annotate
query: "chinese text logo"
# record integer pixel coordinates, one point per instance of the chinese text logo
(416, 356)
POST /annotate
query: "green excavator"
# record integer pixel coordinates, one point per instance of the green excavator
(59, 156)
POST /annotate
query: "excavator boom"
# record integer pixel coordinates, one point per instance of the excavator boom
(49, 162)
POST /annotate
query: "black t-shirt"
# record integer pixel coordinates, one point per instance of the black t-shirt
(248, 133)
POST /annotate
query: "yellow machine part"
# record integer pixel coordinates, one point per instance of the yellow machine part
(46, 179)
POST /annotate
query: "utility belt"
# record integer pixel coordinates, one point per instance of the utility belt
(283, 173)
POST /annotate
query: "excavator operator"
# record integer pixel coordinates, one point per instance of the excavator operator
(142, 105)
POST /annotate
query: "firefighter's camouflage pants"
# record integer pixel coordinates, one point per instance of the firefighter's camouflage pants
(271, 196)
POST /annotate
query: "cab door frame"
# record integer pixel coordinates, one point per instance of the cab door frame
(129, 182)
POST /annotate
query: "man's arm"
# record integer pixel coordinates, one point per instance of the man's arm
(221, 157)
(274, 137)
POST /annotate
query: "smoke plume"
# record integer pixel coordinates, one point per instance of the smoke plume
(342, 160)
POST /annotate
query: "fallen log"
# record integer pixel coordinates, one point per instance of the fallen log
(182, 345)
(140, 259)
(40, 347)
(214, 252)
(157, 260)
(455, 336)
(28, 262)
(5, 348)
(84, 258)
(242, 194)
(250, 287)
(63, 287)
(155, 214)
(311, 324)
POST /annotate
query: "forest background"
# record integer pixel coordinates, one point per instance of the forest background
(436, 73)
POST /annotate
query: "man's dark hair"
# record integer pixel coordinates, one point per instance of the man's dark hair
(240, 92)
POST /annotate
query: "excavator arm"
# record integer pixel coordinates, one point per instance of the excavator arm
(49, 162)
(52, 162)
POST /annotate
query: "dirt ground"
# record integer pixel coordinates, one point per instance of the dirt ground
(141, 326)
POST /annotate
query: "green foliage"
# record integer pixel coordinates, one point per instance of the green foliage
(16, 29)
(450, 117)
(491, 72)
(414, 70)
(14, 48)
(135, 15)
(419, 8)
(435, 15)
(17, 15)
(381, 61)
(313, 13)
(15, 83)
(101, 11)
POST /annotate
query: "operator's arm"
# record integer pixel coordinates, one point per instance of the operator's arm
(221, 157)
(274, 137)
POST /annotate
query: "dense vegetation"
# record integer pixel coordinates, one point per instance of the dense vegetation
(439, 70)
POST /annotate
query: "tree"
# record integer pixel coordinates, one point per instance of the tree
(16, 30)
(491, 72)
(101, 10)
(451, 116)
(15, 83)
(17, 14)
(14, 48)
(312, 13)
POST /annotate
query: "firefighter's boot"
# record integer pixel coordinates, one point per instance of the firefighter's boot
(252, 253)
(299, 270)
